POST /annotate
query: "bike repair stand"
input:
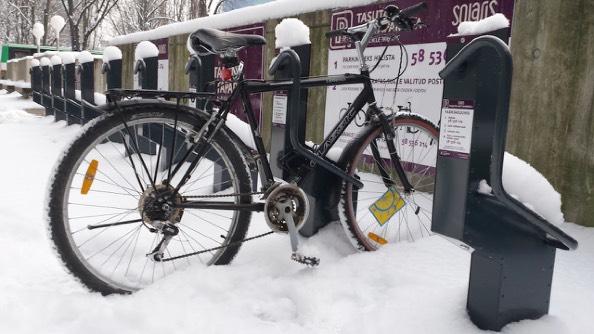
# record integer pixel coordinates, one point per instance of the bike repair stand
(512, 263)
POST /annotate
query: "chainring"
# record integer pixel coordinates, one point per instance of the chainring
(300, 207)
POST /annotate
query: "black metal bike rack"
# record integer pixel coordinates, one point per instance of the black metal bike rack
(324, 175)
(514, 248)
(87, 90)
(36, 83)
(73, 107)
(56, 89)
(46, 94)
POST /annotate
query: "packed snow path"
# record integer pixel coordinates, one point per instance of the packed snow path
(405, 288)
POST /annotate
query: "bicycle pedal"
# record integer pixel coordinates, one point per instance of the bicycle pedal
(309, 261)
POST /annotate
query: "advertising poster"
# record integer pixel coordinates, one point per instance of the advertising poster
(163, 71)
(253, 67)
(419, 88)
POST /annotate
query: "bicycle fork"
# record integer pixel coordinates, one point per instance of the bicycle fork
(389, 135)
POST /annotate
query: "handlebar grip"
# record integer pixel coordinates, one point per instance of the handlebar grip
(338, 32)
(413, 10)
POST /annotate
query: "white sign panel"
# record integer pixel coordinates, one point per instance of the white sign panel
(455, 135)
(279, 109)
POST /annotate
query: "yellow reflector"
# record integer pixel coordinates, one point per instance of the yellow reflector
(89, 177)
(386, 206)
(377, 238)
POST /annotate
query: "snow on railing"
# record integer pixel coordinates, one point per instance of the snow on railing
(239, 17)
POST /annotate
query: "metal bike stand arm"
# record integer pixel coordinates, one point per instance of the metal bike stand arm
(293, 107)
(496, 164)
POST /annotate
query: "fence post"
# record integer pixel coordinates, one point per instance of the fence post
(57, 98)
(46, 99)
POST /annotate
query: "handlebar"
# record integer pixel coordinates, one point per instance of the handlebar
(404, 19)
(335, 33)
(413, 10)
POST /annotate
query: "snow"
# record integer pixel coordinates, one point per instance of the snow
(17, 84)
(239, 17)
(57, 23)
(531, 188)
(85, 57)
(491, 23)
(407, 287)
(56, 60)
(38, 31)
(68, 57)
(100, 99)
(111, 53)
(45, 61)
(22, 84)
(13, 103)
(146, 49)
(291, 32)
(484, 188)
(241, 129)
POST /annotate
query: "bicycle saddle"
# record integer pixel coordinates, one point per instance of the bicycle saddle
(208, 41)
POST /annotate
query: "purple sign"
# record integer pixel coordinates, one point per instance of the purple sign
(442, 19)
(163, 46)
(253, 65)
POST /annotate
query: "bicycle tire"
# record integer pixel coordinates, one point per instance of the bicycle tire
(363, 217)
(117, 191)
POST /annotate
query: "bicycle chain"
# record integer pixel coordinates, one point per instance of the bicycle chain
(226, 195)
(223, 246)
(216, 248)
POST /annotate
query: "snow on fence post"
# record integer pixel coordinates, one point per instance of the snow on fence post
(35, 72)
(73, 107)
(46, 100)
(146, 57)
(56, 89)
(112, 67)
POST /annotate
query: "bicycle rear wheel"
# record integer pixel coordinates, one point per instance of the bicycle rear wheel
(381, 212)
(103, 198)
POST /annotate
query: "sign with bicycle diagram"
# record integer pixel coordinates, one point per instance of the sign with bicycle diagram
(411, 70)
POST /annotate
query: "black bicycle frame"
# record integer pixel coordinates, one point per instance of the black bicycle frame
(246, 87)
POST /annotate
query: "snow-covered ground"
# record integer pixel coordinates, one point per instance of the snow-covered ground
(415, 287)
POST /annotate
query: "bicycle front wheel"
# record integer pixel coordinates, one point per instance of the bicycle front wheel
(382, 212)
(104, 215)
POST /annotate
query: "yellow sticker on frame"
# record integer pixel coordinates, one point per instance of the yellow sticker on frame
(387, 206)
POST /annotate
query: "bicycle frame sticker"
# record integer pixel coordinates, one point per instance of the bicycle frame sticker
(455, 134)
(387, 206)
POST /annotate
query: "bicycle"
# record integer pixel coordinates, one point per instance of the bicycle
(152, 186)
